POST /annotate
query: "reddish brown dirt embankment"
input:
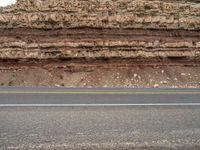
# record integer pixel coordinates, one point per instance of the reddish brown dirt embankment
(100, 74)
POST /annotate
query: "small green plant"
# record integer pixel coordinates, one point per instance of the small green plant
(62, 84)
(2, 84)
(10, 83)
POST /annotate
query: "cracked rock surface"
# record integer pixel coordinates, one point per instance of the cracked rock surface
(51, 14)
(79, 36)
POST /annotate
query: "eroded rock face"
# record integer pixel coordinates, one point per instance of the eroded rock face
(100, 43)
(93, 29)
(97, 43)
(54, 14)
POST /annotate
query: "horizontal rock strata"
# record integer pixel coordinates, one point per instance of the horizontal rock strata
(51, 14)
(99, 43)
(91, 29)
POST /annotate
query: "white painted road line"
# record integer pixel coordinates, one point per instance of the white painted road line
(101, 93)
(97, 105)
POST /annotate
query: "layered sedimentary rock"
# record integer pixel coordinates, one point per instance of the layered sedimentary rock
(100, 29)
(99, 43)
(154, 14)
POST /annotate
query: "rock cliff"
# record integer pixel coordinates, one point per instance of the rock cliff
(147, 14)
(100, 29)
(99, 43)
(74, 35)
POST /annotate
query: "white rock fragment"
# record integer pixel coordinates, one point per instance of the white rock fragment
(105, 86)
(156, 85)
(57, 85)
(183, 74)
(139, 77)
(174, 86)
(163, 82)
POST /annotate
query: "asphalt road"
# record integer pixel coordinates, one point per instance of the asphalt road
(88, 97)
(117, 119)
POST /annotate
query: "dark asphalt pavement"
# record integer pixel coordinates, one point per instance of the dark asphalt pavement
(154, 127)
(98, 96)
